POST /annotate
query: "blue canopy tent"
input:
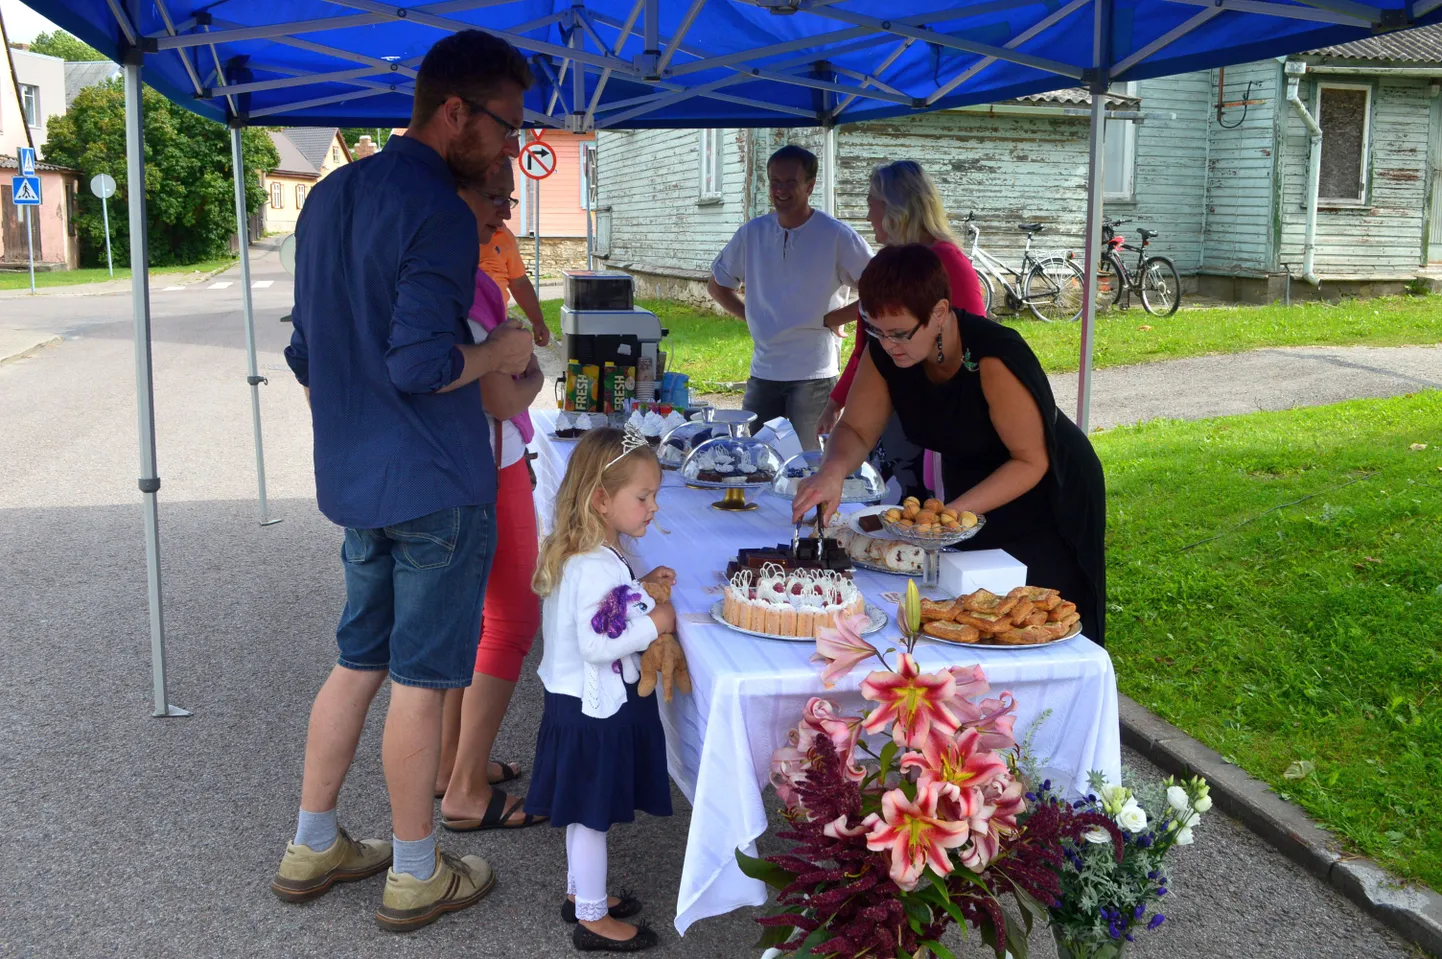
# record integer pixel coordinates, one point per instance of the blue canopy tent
(617, 64)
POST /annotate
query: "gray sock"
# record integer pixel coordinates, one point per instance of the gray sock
(317, 830)
(417, 858)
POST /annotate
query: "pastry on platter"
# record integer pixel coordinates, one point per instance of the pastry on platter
(1042, 598)
(952, 632)
(1061, 612)
(1021, 611)
(985, 601)
(933, 611)
(1025, 636)
(988, 623)
(789, 603)
(859, 548)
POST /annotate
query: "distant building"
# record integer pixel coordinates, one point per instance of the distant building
(26, 107)
(80, 74)
(307, 156)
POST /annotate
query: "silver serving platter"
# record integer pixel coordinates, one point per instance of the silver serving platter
(876, 614)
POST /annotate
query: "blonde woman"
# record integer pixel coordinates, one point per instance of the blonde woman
(904, 206)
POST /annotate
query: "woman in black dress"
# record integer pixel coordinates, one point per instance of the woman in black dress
(972, 390)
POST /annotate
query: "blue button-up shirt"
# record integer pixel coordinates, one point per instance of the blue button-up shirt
(386, 257)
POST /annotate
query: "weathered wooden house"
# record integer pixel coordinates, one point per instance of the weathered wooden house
(1219, 162)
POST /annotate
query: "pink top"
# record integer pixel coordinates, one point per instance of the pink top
(488, 310)
(965, 295)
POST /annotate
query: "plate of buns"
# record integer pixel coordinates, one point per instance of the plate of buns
(930, 524)
(1025, 618)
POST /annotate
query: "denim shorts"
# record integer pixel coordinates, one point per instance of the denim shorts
(413, 596)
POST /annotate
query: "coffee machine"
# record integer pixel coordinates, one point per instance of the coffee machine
(601, 324)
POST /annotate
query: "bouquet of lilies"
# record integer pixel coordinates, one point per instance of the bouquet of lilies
(891, 846)
(1104, 899)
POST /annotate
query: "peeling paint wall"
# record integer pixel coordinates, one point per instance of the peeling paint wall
(1240, 170)
(1384, 237)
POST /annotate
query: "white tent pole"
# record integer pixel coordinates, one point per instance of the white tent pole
(144, 374)
(1095, 181)
(237, 159)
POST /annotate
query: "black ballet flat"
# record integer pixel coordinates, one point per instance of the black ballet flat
(625, 909)
(587, 941)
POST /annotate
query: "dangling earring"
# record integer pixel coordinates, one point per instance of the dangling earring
(940, 356)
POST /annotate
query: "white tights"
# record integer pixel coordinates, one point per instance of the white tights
(586, 871)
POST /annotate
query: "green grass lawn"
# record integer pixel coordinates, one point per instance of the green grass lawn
(1309, 639)
(21, 280)
(715, 349)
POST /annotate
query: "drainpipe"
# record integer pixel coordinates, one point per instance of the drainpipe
(1295, 69)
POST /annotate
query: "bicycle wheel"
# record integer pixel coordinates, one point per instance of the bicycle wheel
(1109, 282)
(1161, 287)
(985, 293)
(1053, 290)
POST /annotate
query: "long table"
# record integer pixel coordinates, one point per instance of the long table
(748, 691)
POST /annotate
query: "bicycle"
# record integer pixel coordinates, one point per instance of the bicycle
(1050, 286)
(1154, 280)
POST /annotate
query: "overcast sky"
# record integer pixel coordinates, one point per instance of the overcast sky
(22, 23)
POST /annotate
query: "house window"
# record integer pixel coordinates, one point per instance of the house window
(335, 154)
(300, 192)
(588, 166)
(1120, 158)
(30, 104)
(710, 159)
(277, 196)
(1344, 111)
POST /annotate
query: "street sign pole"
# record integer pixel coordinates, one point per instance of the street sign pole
(536, 233)
(30, 242)
(538, 161)
(103, 186)
(105, 215)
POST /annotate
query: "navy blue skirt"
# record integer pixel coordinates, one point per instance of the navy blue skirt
(597, 772)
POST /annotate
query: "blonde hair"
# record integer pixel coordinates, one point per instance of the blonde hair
(576, 527)
(912, 207)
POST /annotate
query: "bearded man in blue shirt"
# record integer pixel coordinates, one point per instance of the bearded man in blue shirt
(386, 256)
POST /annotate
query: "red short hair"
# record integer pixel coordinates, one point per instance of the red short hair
(908, 277)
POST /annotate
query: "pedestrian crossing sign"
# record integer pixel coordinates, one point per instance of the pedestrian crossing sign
(26, 155)
(25, 190)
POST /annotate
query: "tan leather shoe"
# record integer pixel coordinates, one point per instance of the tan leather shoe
(305, 873)
(410, 903)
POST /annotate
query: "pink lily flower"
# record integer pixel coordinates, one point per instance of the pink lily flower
(841, 648)
(837, 829)
(1006, 799)
(788, 770)
(913, 703)
(914, 834)
(997, 722)
(819, 718)
(959, 760)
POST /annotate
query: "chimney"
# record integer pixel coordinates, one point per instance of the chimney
(364, 147)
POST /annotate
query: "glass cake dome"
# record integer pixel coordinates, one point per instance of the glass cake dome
(734, 464)
(679, 442)
(864, 485)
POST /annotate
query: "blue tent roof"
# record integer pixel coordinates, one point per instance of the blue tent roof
(738, 62)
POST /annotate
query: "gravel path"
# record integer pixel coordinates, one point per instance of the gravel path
(134, 837)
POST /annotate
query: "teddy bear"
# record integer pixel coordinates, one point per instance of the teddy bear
(664, 656)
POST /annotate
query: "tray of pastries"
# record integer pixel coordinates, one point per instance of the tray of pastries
(1025, 618)
(930, 525)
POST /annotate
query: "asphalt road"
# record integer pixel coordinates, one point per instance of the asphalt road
(127, 836)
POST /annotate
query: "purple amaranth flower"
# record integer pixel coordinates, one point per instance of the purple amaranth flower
(610, 619)
(1157, 920)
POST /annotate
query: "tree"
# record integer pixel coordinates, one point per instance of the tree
(189, 190)
(352, 135)
(65, 46)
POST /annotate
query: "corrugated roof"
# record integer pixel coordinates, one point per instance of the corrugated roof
(12, 163)
(80, 74)
(292, 161)
(1076, 96)
(1418, 45)
(312, 142)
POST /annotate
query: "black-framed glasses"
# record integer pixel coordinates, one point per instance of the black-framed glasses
(502, 201)
(876, 334)
(513, 132)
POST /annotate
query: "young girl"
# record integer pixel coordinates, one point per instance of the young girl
(601, 752)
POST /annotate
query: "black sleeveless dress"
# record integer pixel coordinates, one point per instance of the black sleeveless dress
(1057, 528)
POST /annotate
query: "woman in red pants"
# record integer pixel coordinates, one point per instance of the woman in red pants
(467, 781)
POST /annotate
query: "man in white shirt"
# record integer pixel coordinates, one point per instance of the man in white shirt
(798, 265)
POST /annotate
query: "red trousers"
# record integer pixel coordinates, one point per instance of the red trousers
(512, 614)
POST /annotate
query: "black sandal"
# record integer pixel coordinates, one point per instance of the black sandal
(509, 772)
(587, 941)
(498, 815)
(625, 909)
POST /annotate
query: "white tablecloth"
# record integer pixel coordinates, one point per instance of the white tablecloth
(749, 691)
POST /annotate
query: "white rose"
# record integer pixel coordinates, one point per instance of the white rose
(1184, 838)
(1177, 798)
(1098, 835)
(1132, 818)
(1203, 804)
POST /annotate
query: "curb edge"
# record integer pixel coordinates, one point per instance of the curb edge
(1412, 910)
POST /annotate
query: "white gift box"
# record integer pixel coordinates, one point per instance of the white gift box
(781, 436)
(993, 569)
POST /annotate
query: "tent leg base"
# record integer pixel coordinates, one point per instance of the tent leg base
(271, 522)
(171, 712)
